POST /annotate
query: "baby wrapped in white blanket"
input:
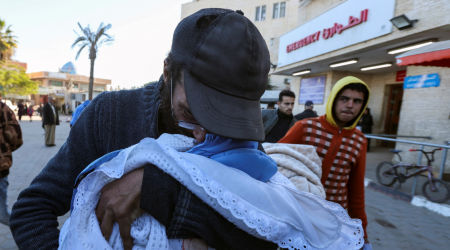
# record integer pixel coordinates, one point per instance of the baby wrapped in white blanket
(274, 210)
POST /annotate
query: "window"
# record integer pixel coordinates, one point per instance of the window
(275, 10)
(282, 9)
(99, 87)
(56, 83)
(279, 10)
(84, 86)
(260, 13)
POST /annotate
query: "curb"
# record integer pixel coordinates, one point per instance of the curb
(416, 200)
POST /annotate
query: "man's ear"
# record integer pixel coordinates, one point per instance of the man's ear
(278, 103)
(166, 73)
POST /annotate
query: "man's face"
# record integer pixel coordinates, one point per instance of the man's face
(348, 105)
(181, 110)
(50, 100)
(286, 105)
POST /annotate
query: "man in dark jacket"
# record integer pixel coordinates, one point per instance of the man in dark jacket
(20, 111)
(206, 91)
(50, 120)
(277, 122)
(308, 113)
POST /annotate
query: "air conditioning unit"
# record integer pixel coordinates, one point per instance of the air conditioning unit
(287, 80)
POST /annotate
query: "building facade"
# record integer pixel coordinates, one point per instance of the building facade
(273, 18)
(318, 42)
(65, 88)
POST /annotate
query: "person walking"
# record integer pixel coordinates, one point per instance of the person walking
(50, 120)
(366, 123)
(341, 146)
(30, 112)
(25, 109)
(67, 108)
(39, 110)
(278, 121)
(308, 113)
(10, 140)
(21, 110)
(63, 108)
(271, 105)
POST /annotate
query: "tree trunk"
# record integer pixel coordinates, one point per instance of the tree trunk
(91, 79)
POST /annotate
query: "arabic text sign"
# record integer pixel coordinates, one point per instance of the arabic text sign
(422, 81)
(312, 89)
(328, 33)
(337, 30)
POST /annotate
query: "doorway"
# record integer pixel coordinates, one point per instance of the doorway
(394, 104)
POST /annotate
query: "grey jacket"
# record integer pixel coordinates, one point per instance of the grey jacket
(270, 118)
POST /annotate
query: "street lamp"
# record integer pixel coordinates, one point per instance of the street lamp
(384, 65)
(402, 22)
(298, 73)
(410, 47)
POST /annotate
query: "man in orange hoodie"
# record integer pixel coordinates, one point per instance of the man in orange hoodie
(340, 145)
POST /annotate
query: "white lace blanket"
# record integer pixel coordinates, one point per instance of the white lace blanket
(300, 164)
(274, 211)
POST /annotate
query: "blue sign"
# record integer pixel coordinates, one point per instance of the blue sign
(422, 81)
(312, 89)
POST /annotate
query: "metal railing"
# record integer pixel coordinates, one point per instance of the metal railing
(409, 136)
(446, 147)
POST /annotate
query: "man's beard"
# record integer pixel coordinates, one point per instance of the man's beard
(166, 123)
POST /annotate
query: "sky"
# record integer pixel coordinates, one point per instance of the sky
(142, 29)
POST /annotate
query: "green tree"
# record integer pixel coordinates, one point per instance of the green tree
(269, 85)
(14, 80)
(8, 42)
(92, 41)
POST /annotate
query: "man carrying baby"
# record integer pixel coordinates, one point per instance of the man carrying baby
(214, 75)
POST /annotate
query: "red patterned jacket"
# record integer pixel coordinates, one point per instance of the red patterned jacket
(10, 138)
(343, 154)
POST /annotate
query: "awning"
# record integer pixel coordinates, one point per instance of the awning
(436, 54)
(270, 96)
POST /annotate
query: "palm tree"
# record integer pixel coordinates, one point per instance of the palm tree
(8, 42)
(92, 41)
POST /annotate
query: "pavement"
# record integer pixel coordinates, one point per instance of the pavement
(392, 222)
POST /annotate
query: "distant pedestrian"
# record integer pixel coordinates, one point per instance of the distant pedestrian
(30, 112)
(271, 105)
(39, 110)
(67, 108)
(50, 120)
(308, 113)
(10, 140)
(63, 108)
(78, 111)
(277, 122)
(21, 109)
(366, 123)
(25, 110)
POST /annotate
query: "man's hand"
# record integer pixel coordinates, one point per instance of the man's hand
(120, 202)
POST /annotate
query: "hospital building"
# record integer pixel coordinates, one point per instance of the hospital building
(400, 48)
